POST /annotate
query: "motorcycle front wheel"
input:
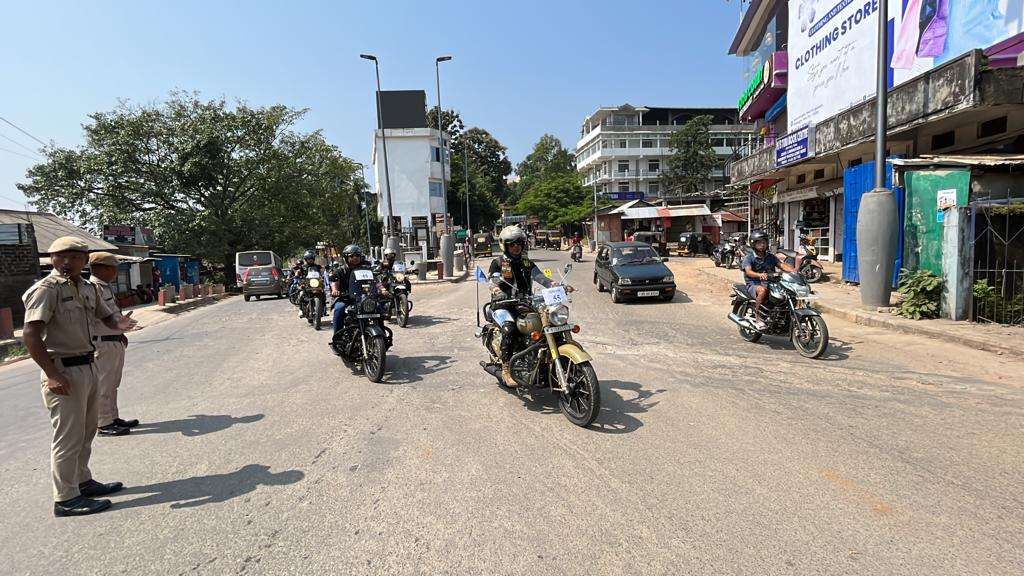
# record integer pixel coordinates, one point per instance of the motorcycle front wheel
(812, 273)
(403, 310)
(582, 405)
(319, 314)
(374, 358)
(727, 261)
(310, 310)
(810, 336)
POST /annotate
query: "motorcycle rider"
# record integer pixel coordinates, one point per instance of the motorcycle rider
(756, 266)
(576, 244)
(308, 263)
(343, 289)
(514, 269)
(386, 268)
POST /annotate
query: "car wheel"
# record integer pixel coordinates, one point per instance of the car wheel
(616, 296)
(595, 277)
(668, 297)
(600, 285)
(247, 297)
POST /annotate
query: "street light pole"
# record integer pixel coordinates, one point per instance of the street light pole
(392, 241)
(465, 164)
(593, 241)
(366, 205)
(877, 225)
(447, 248)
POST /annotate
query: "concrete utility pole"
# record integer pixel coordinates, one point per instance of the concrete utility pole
(366, 205)
(392, 238)
(447, 247)
(465, 151)
(877, 225)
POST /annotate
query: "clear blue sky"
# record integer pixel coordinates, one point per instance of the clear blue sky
(521, 68)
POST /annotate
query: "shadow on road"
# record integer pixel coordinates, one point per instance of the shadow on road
(838, 350)
(195, 425)
(199, 490)
(426, 321)
(410, 369)
(616, 415)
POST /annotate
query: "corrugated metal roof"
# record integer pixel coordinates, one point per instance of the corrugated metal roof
(961, 160)
(689, 210)
(48, 227)
(640, 213)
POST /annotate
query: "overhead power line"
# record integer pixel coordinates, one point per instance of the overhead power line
(19, 129)
(16, 153)
(13, 141)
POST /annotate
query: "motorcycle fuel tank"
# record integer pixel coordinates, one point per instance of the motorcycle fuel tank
(529, 323)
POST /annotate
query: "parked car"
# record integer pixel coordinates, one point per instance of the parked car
(263, 281)
(655, 240)
(632, 270)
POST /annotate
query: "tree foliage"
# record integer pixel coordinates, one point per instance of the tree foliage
(549, 186)
(209, 178)
(689, 166)
(548, 159)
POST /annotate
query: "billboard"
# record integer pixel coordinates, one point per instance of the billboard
(833, 45)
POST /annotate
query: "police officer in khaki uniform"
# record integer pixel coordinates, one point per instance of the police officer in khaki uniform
(110, 345)
(58, 334)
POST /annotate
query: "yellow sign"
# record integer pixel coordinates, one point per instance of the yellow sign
(548, 273)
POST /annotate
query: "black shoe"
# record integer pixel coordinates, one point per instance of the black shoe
(126, 423)
(79, 506)
(92, 488)
(113, 430)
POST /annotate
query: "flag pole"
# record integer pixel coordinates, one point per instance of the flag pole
(477, 299)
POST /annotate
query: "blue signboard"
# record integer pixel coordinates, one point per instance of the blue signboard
(626, 195)
(794, 147)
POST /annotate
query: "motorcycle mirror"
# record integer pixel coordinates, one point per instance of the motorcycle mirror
(568, 268)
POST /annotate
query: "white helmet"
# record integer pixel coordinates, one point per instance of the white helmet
(390, 252)
(510, 235)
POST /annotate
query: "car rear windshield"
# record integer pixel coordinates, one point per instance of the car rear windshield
(259, 272)
(635, 254)
(254, 259)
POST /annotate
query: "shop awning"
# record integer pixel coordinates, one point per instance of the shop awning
(961, 160)
(640, 213)
(688, 210)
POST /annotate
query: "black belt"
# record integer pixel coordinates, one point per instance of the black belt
(111, 338)
(83, 360)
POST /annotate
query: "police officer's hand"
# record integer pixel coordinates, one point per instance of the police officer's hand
(127, 324)
(59, 384)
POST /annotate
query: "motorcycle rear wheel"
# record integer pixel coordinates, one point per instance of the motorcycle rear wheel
(583, 404)
(816, 342)
(812, 273)
(727, 261)
(403, 310)
(374, 358)
(746, 310)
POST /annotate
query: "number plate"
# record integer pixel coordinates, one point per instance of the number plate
(554, 296)
(553, 329)
(809, 297)
(367, 316)
(646, 293)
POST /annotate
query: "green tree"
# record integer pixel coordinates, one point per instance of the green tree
(547, 159)
(689, 166)
(558, 200)
(208, 178)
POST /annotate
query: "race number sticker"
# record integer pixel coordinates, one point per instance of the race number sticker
(363, 275)
(549, 273)
(313, 274)
(399, 267)
(554, 296)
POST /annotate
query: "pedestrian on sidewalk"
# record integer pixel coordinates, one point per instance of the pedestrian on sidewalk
(58, 320)
(110, 346)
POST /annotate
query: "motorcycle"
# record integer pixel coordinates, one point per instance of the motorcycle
(399, 306)
(576, 253)
(787, 311)
(545, 356)
(294, 289)
(724, 254)
(362, 337)
(810, 268)
(314, 299)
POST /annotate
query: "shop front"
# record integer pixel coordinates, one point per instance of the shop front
(816, 210)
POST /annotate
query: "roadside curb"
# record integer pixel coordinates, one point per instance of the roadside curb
(179, 307)
(449, 280)
(865, 318)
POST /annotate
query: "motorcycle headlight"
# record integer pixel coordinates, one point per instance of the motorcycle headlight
(314, 283)
(368, 306)
(668, 279)
(558, 315)
(400, 277)
(625, 281)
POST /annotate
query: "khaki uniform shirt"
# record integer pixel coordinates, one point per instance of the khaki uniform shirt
(106, 294)
(67, 310)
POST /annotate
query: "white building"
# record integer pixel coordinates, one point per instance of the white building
(416, 176)
(624, 148)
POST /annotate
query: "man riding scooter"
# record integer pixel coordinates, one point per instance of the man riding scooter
(756, 266)
(576, 247)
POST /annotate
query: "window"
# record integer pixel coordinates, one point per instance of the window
(435, 190)
(646, 143)
(944, 140)
(819, 173)
(992, 127)
(622, 144)
(654, 165)
(623, 186)
(435, 153)
(623, 166)
(653, 188)
(801, 179)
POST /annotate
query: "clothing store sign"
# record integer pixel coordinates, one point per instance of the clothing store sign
(833, 46)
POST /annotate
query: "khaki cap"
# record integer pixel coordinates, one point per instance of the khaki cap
(104, 258)
(68, 244)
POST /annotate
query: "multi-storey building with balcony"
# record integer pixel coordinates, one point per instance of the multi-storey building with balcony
(624, 149)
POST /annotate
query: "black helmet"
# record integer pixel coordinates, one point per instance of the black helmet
(309, 255)
(757, 235)
(352, 250)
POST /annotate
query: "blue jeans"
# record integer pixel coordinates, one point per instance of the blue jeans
(339, 313)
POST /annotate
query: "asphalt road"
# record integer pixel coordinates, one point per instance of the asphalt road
(261, 453)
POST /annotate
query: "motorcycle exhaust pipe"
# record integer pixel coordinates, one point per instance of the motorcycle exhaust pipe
(742, 322)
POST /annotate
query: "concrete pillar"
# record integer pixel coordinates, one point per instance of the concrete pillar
(877, 229)
(394, 243)
(447, 254)
(957, 258)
